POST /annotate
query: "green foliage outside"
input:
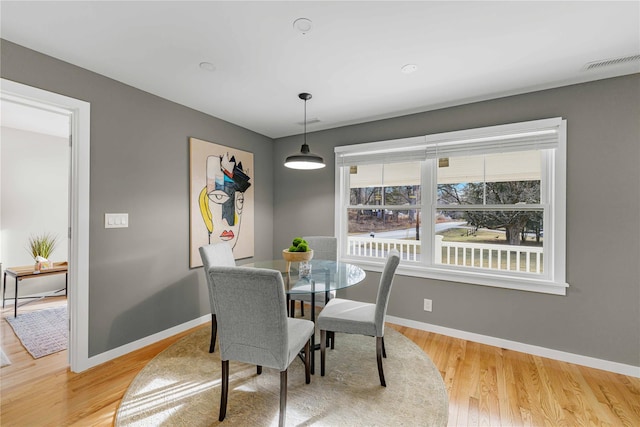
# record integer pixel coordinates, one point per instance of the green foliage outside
(515, 223)
(483, 236)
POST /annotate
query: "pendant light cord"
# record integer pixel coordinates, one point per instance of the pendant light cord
(305, 122)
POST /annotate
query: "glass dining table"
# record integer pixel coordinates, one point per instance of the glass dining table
(315, 277)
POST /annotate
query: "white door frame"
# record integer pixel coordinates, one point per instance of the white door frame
(78, 300)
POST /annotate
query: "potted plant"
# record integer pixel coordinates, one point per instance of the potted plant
(41, 247)
(299, 251)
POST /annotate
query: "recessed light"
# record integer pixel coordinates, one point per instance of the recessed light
(409, 68)
(302, 25)
(208, 66)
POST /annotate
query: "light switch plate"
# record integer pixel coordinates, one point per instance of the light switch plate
(116, 220)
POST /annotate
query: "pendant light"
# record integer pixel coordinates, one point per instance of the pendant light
(305, 159)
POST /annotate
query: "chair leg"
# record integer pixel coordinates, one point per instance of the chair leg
(307, 364)
(323, 349)
(384, 350)
(259, 369)
(225, 390)
(283, 397)
(333, 340)
(292, 310)
(379, 344)
(214, 331)
(302, 309)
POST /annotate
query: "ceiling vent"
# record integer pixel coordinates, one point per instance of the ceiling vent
(611, 62)
(310, 121)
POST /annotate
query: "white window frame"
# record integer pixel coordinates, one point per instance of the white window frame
(488, 139)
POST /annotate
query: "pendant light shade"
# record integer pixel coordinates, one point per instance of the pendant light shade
(305, 159)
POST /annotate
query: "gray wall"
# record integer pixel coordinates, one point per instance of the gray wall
(140, 281)
(600, 315)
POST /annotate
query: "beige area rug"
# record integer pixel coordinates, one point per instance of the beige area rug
(181, 387)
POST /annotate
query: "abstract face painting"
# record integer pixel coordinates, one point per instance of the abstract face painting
(222, 199)
(221, 186)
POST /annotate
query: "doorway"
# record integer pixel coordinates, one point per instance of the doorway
(35, 157)
(78, 113)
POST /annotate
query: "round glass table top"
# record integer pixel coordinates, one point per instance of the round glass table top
(318, 276)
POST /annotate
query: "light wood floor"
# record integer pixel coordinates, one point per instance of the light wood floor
(487, 386)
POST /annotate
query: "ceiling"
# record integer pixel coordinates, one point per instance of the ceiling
(350, 60)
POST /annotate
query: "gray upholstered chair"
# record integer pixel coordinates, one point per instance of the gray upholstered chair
(324, 247)
(220, 255)
(251, 308)
(354, 317)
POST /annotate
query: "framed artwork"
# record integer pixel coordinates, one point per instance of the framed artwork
(221, 205)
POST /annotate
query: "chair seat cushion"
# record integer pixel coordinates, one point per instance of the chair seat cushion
(300, 331)
(352, 317)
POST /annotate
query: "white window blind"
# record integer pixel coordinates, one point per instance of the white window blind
(394, 151)
(525, 136)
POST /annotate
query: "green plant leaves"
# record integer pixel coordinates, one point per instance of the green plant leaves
(299, 245)
(42, 245)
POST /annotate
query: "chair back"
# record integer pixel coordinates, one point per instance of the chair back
(219, 255)
(384, 289)
(324, 247)
(252, 315)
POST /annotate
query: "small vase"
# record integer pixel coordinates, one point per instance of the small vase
(304, 269)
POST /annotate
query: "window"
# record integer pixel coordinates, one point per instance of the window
(483, 206)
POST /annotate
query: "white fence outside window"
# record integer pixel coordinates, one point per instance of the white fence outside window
(488, 256)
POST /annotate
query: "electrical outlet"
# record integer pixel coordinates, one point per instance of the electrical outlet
(428, 304)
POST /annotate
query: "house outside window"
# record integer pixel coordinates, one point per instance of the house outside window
(483, 206)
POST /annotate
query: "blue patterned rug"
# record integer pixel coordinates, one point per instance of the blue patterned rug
(42, 332)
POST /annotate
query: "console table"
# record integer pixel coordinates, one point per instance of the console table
(29, 272)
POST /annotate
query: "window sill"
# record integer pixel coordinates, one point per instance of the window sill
(469, 277)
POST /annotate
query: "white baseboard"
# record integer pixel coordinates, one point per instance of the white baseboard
(143, 342)
(592, 362)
